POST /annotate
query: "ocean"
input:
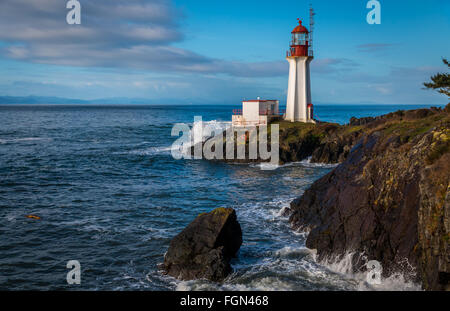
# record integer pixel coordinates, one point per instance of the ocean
(110, 195)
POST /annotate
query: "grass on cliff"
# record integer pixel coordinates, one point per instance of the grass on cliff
(295, 131)
(408, 129)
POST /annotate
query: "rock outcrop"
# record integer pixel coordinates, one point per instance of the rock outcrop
(323, 142)
(389, 199)
(203, 250)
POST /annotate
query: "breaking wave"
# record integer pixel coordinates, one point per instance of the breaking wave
(307, 163)
(202, 130)
(293, 267)
(343, 265)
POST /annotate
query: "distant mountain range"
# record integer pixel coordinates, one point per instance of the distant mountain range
(47, 100)
(44, 100)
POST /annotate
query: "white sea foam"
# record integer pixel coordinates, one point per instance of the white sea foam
(307, 163)
(293, 268)
(214, 125)
(289, 251)
(344, 266)
(199, 133)
(269, 210)
(147, 151)
(266, 166)
(287, 269)
(304, 163)
(151, 151)
(195, 133)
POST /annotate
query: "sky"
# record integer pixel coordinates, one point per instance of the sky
(221, 52)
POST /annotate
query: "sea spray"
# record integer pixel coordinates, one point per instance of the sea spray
(345, 265)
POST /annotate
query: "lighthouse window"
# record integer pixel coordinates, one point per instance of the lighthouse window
(299, 39)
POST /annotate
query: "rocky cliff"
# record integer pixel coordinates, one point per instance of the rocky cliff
(389, 199)
(324, 142)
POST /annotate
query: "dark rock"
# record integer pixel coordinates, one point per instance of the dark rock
(361, 121)
(389, 199)
(447, 108)
(205, 247)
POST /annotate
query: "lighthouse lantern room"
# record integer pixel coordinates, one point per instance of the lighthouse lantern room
(298, 106)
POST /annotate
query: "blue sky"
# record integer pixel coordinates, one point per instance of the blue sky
(219, 52)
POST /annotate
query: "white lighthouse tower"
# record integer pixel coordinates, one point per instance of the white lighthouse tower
(299, 107)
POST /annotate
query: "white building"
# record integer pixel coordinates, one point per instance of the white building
(256, 112)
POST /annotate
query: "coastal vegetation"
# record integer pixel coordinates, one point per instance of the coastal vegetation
(440, 81)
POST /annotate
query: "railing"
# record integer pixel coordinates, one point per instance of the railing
(298, 42)
(249, 123)
(238, 112)
(290, 52)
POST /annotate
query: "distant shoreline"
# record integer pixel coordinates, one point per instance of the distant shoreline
(60, 101)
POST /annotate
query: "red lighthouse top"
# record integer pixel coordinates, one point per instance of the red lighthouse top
(300, 28)
(299, 46)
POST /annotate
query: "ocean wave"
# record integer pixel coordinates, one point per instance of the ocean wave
(147, 151)
(295, 268)
(23, 139)
(198, 133)
(307, 163)
(151, 151)
(287, 269)
(266, 166)
(268, 210)
(304, 163)
(343, 265)
(292, 252)
(195, 133)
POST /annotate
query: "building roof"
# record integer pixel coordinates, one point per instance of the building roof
(259, 100)
(300, 28)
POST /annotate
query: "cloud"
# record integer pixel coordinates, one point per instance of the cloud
(398, 85)
(170, 89)
(114, 33)
(107, 23)
(333, 65)
(373, 47)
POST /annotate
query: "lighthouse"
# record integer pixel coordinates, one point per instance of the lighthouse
(299, 107)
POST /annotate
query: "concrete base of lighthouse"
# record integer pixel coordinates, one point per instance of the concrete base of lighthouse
(299, 90)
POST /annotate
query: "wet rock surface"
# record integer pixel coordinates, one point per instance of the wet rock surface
(203, 250)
